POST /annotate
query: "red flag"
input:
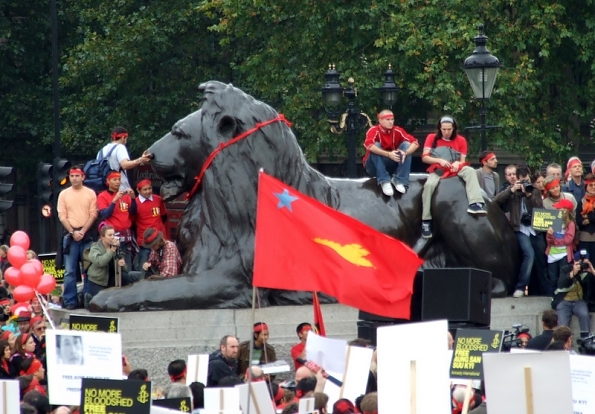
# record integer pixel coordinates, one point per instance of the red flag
(318, 320)
(302, 244)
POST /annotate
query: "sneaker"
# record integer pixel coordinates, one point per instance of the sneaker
(477, 209)
(426, 229)
(387, 189)
(400, 187)
(518, 294)
(70, 307)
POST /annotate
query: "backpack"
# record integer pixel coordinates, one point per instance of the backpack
(96, 171)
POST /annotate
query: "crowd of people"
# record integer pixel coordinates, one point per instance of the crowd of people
(131, 244)
(555, 262)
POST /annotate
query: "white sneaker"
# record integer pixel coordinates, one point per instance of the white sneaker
(518, 294)
(401, 188)
(387, 189)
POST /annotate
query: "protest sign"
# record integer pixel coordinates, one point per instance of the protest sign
(307, 406)
(470, 345)
(260, 398)
(115, 396)
(528, 383)
(10, 400)
(93, 323)
(197, 368)
(326, 352)
(413, 361)
(543, 219)
(275, 367)
(354, 376)
(48, 261)
(582, 372)
(65, 323)
(73, 355)
(226, 400)
(180, 404)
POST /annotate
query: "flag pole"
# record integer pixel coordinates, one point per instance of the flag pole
(251, 342)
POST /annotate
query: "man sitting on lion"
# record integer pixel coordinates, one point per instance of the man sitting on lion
(447, 158)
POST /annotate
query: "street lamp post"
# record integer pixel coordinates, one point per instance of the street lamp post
(482, 69)
(351, 119)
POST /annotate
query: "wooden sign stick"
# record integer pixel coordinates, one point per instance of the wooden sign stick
(468, 394)
(529, 390)
(413, 387)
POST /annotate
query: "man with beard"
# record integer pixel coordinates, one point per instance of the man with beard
(223, 363)
(488, 178)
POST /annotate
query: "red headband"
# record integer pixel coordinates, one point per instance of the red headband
(4, 302)
(488, 157)
(115, 174)
(572, 162)
(151, 238)
(260, 328)
(76, 171)
(35, 365)
(36, 320)
(174, 378)
(118, 135)
(6, 335)
(143, 183)
(587, 182)
(279, 394)
(306, 328)
(24, 338)
(385, 116)
(551, 185)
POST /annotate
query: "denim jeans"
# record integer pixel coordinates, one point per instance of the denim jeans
(540, 266)
(528, 259)
(383, 167)
(566, 309)
(72, 268)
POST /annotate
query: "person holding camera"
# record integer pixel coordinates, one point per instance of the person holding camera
(103, 258)
(569, 298)
(518, 202)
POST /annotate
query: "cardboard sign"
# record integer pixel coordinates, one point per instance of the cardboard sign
(413, 361)
(73, 355)
(115, 396)
(198, 368)
(528, 383)
(354, 377)
(470, 345)
(582, 371)
(326, 353)
(543, 219)
(48, 261)
(181, 404)
(93, 323)
(10, 400)
(306, 406)
(260, 399)
(222, 400)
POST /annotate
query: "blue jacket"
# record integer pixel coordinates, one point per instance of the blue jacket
(578, 191)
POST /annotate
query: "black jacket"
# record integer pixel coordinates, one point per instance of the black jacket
(219, 368)
(540, 342)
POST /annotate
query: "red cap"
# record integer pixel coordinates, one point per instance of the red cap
(36, 320)
(565, 203)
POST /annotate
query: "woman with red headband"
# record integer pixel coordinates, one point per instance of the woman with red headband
(25, 348)
(102, 271)
(554, 194)
(560, 244)
(585, 217)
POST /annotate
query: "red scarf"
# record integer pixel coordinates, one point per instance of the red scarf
(588, 204)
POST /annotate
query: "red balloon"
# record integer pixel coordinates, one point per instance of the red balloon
(38, 266)
(23, 293)
(46, 285)
(17, 256)
(19, 307)
(13, 276)
(20, 238)
(29, 275)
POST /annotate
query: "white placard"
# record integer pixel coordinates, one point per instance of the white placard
(523, 351)
(197, 369)
(9, 397)
(275, 367)
(307, 406)
(260, 398)
(355, 377)
(413, 363)
(582, 372)
(155, 409)
(326, 352)
(515, 380)
(222, 399)
(72, 355)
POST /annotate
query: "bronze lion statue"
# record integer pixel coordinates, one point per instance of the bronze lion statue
(216, 233)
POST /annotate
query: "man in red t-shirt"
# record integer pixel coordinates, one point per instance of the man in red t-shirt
(299, 350)
(388, 150)
(446, 151)
(114, 209)
(148, 211)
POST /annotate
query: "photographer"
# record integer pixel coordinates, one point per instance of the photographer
(102, 270)
(573, 283)
(518, 202)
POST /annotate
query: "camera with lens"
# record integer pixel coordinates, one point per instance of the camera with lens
(512, 340)
(584, 265)
(527, 186)
(526, 219)
(586, 346)
(122, 240)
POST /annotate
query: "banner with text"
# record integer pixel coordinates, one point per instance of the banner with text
(93, 323)
(181, 404)
(48, 261)
(470, 344)
(543, 219)
(115, 396)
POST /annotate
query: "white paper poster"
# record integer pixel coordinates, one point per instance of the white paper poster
(582, 372)
(72, 355)
(260, 398)
(355, 377)
(222, 400)
(197, 368)
(9, 397)
(326, 353)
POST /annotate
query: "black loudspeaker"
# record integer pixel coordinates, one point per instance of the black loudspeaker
(463, 296)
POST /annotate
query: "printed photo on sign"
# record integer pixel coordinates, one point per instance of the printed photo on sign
(73, 355)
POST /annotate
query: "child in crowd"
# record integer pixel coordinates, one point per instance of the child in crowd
(560, 245)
